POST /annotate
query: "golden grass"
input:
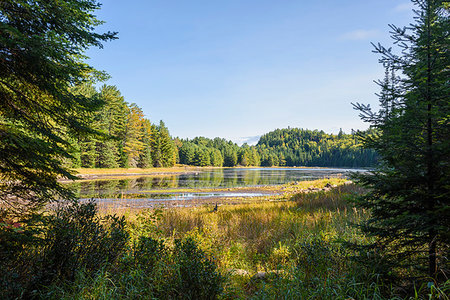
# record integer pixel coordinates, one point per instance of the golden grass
(270, 193)
(292, 234)
(259, 235)
(126, 171)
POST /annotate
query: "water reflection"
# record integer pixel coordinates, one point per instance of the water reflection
(210, 178)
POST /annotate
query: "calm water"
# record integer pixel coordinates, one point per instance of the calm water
(144, 188)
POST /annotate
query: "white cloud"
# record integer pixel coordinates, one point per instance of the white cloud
(407, 6)
(251, 140)
(360, 34)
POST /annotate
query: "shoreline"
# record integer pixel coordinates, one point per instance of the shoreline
(103, 173)
(283, 192)
(117, 173)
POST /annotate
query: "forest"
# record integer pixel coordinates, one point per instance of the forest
(281, 147)
(379, 234)
(125, 138)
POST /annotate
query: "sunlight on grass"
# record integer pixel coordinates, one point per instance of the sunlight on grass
(284, 240)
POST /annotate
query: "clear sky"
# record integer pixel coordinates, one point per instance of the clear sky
(240, 68)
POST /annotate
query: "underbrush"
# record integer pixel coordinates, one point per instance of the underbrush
(271, 250)
(75, 253)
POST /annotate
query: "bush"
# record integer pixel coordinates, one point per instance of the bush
(54, 248)
(150, 269)
(78, 238)
(198, 275)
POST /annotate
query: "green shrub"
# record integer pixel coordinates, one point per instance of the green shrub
(78, 238)
(54, 248)
(198, 275)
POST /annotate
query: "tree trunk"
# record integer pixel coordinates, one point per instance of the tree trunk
(432, 266)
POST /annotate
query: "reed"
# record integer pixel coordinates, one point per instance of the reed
(287, 234)
(285, 246)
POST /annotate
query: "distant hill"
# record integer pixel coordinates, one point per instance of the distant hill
(302, 147)
(281, 147)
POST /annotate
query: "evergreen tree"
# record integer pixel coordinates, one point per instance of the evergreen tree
(168, 150)
(295, 147)
(106, 154)
(202, 157)
(134, 134)
(409, 191)
(187, 152)
(244, 157)
(41, 53)
(230, 157)
(110, 120)
(156, 153)
(113, 119)
(256, 161)
(216, 158)
(87, 143)
(145, 156)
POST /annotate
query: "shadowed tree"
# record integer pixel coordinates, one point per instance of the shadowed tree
(409, 191)
(41, 58)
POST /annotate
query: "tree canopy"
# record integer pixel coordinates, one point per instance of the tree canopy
(42, 46)
(282, 147)
(409, 191)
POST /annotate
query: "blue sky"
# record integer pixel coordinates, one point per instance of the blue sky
(238, 69)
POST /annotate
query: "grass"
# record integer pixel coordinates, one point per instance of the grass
(287, 248)
(261, 227)
(283, 246)
(126, 171)
(294, 240)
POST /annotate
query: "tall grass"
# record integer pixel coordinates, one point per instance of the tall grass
(282, 247)
(295, 241)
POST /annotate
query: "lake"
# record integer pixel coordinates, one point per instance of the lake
(145, 189)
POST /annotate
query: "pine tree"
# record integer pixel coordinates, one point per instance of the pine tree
(187, 152)
(113, 123)
(409, 191)
(86, 144)
(216, 158)
(244, 157)
(230, 157)
(134, 134)
(202, 157)
(41, 53)
(156, 151)
(106, 154)
(145, 156)
(168, 154)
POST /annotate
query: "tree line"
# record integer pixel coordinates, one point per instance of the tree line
(50, 118)
(302, 147)
(124, 137)
(281, 147)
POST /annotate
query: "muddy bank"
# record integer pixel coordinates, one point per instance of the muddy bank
(205, 197)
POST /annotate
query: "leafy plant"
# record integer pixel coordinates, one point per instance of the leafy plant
(198, 275)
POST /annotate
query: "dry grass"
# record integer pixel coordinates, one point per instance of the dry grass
(127, 171)
(255, 235)
(276, 232)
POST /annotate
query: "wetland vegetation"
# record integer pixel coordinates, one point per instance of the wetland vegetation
(236, 233)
